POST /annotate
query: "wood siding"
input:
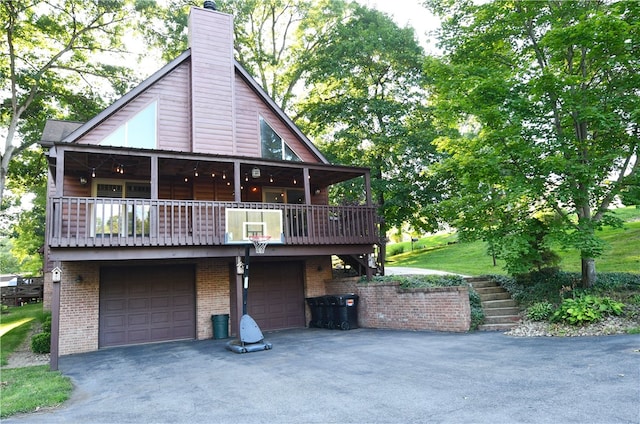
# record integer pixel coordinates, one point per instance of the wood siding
(172, 95)
(248, 111)
(212, 68)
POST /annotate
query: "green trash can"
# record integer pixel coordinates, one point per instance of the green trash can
(220, 326)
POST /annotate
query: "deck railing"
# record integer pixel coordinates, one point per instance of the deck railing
(106, 222)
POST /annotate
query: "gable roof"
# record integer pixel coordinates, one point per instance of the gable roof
(82, 129)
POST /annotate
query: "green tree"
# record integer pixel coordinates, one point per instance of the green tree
(49, 66)
(26, 226)
(365, 106)
(546, 94)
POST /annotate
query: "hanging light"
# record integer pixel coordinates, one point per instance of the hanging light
(195, 171)
(224, 175)
(246, 177)
(93, 173)
(295, 181)
(270, 178)
(213, 175)
(186, 179)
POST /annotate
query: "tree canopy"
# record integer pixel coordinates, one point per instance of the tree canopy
(365, 106)
(547, 97)
(49, 66)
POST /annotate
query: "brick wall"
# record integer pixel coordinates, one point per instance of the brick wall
(388, 306)
(79, 307)
(317, 272)
(212, 294)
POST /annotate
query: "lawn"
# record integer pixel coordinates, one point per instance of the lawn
(30, 388)
(441, 252)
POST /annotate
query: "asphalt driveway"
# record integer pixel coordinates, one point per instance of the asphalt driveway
(362, 376)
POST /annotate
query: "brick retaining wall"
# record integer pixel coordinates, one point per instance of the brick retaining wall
(386, 305)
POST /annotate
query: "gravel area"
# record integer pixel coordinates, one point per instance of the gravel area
(608, 326)
(24, 357)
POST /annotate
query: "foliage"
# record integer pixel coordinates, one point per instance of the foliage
(365, 106)
(31, 388)
(46, 324)
(51, 68)
(526, 249)
(586, 309)
(41, 343)
(540, 311)
(538, 109)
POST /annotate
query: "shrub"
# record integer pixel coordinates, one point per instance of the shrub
(540, 311)
(586, 309)
(41, 343)
(46, 324)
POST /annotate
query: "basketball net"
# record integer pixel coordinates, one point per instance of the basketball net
(260, 243)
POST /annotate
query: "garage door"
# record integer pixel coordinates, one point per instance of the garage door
(276, 295)
(146, 304)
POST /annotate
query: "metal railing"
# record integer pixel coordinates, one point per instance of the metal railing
(107, 222)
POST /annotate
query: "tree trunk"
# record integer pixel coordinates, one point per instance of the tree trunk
(588, 272)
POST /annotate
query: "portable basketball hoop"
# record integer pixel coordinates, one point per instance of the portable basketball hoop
(260, 243)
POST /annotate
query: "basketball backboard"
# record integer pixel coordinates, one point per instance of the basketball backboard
(242, 224)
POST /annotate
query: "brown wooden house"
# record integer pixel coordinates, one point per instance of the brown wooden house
(137, 240)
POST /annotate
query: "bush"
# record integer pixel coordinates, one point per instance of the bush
(46, 324)
(540, 311)
(41, 343)
(586, 309)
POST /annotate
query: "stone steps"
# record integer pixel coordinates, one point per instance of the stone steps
(500, 310)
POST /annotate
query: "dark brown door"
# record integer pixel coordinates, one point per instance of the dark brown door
(146, 304)
(276, 295)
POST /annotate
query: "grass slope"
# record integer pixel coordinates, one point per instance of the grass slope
(436, 252)
(30, 388)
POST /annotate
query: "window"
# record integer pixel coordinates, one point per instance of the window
(273, 147)
(139, 131)
(113, 215)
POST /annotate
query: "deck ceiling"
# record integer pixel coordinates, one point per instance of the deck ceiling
(114, 165)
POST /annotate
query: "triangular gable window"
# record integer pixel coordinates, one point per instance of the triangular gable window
(139, 131)
(273, 146)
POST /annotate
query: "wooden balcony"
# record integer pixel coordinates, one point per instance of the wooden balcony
(89, 222)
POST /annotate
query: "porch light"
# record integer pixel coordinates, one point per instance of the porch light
(255, 172)
(246, 177)
(270, 178)
(224, 175)
(186, 179)
(213, 175)
(295, 181)
(195, 171)
(93, 173)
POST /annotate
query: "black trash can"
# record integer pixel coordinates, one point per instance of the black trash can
(315, 305)
(220, 326)
(345, 311)
(328, 315)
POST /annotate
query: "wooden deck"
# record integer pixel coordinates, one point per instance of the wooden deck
(105, 222)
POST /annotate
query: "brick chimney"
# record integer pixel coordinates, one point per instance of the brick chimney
(212, 81)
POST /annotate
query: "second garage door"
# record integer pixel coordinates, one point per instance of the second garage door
(276, 295)
(146, 304)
